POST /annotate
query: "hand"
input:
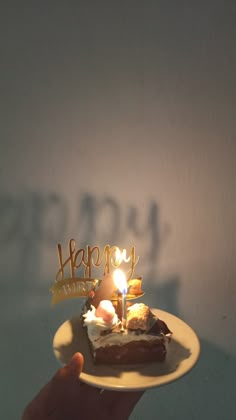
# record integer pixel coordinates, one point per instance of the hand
(65, 397)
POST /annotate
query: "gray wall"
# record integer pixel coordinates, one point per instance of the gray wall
(117, 126)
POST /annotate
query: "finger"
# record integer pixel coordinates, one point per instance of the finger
(72, 369)
(76, 364)
(64, 386)
(53, 393)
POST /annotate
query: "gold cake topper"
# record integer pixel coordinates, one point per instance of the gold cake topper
(71, 286)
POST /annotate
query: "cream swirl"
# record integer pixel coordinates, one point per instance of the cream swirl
(95, 325)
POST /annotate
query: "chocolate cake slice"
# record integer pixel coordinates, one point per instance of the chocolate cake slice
(144, 338)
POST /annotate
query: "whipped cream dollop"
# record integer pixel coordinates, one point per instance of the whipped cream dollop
(96, 324)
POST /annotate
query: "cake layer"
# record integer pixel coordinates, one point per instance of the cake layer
(131, 353)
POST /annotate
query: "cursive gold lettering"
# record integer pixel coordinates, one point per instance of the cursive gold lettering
(80, 253)
(60, 273)
(90, 261)
(110, 256)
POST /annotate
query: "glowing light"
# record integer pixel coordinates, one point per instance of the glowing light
(120, 280)
(121, 284)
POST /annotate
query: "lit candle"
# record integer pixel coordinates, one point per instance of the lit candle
(121, 284)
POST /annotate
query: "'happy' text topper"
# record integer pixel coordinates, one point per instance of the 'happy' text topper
(68, 284)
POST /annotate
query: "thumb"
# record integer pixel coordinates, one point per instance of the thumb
(75, 365)
(72, 370)
(63, 385)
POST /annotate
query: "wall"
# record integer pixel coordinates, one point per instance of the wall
(117, 126)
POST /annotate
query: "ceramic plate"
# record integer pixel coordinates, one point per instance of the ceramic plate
(182, 354)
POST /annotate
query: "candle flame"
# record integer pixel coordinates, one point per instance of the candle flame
(120, 280)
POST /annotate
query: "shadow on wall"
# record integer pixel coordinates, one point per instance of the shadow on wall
(32, 222)
(31, 225)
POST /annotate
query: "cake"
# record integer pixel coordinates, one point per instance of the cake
(143, 338)
(118, 332)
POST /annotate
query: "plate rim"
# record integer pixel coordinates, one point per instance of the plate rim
(159, 380)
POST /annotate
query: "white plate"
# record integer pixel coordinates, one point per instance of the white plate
(182, 354)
